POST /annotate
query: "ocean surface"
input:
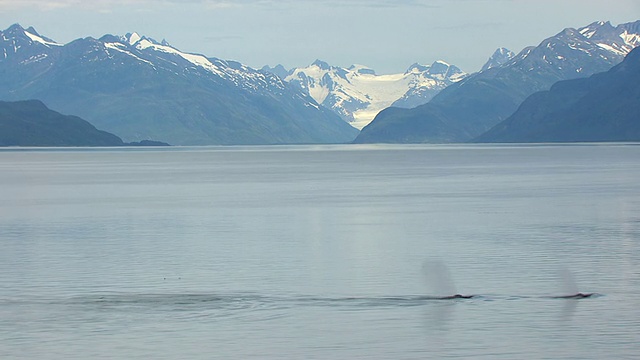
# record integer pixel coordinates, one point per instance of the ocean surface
(320, 252)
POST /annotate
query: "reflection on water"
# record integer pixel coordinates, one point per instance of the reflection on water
(320, 252)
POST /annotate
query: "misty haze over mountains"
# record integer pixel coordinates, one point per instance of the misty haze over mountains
(139, 88)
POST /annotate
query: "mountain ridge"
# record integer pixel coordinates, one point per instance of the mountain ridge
(602, 107)
(31, 123)
(472, 106)
(140, 88)
(500, 57)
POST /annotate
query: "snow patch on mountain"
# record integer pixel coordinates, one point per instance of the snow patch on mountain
(632, 40)
(40, 40)
(198, 60)
(121, 48)
(612, 49)
(590, 30)
(132, 39)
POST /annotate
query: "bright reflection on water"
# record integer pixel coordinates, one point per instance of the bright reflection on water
(320, 252)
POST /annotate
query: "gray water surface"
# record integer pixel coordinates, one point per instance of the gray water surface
(320, 252)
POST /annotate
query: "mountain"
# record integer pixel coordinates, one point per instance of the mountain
(31, 123)
(499, 58)
(278, 70)
(603, 107)
(472, 106)
(139, 88)
(426, 82)
(357, 93)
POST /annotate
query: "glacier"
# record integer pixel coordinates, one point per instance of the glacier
(358, 94)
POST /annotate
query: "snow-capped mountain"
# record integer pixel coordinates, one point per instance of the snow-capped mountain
(499, 57)
(619, 40)
(426, 82)
(472, 106)
(139, 88)
(357, 93)
(28, 41)
(24, 52)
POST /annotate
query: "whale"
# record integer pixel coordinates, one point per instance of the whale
(575, 296)
(456, 296)
(441, 280)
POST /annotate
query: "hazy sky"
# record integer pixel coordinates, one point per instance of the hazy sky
(387, 35)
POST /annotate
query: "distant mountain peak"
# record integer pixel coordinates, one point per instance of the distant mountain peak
(30, 34)
(500, 56)
(135, 38)
(416, 68)
(15, 27)
(504, 52)
(277, 70)
(590, 30)
(32, 30)
(439, 67)
(321, 64)
(571, 32)
(132, 38)
(440, 62)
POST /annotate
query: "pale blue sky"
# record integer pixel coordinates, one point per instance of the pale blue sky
(383, 34)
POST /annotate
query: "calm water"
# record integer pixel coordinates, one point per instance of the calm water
(322, 252)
